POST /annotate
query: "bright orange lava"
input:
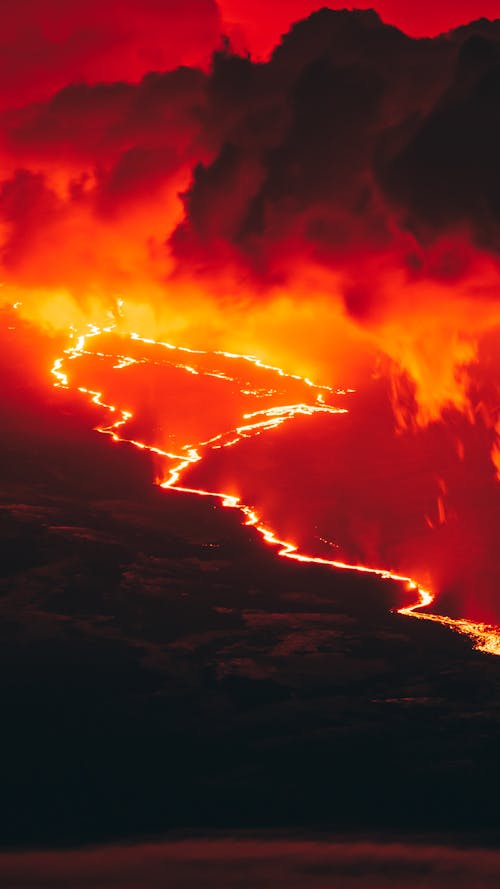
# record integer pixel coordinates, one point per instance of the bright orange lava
(485, 637)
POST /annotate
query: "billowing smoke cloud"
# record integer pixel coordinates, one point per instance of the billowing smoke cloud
(332, 206)
(352, 177)
(256, 26)
(46, 44)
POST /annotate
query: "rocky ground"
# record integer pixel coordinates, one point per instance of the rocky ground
(161, 669)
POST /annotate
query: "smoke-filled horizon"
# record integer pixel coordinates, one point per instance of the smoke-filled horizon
(331, 206)
(344, 191)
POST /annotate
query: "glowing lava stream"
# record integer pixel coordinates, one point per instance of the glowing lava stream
(485, 637)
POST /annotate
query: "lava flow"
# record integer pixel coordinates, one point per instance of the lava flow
(225, 367)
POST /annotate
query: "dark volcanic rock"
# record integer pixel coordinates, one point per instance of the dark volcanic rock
(160, 668)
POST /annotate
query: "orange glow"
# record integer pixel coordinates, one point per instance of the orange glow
(322, 206)
(485, 637)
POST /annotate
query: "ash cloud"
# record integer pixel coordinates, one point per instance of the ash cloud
(353, 139)
(357, 166)
(446, 173)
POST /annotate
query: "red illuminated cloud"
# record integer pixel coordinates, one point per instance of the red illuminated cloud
(357, 166)
(344, 193)
(46, 44)
(257, 25)
(350, 150)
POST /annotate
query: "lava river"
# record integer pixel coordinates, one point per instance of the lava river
(318, 471)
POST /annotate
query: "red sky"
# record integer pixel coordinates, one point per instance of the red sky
(262, 22)
(46, 44)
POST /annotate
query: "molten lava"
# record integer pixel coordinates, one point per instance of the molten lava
(331, 205)
(268, 386)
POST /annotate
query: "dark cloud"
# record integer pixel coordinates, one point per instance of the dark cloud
(47, 44)
(300, 138)
(94, 123)
(356, 162)
(447, 173)
(353, 139)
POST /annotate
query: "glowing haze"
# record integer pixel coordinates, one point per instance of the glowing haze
(328, 200)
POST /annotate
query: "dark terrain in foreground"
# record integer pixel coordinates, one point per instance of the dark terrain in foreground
(163, 670)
